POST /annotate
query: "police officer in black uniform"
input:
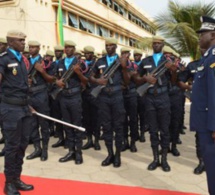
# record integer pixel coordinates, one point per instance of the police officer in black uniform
(55, 103)
(90, 104)
(111, 105)
(39, 101)
(71, 102)
(130, 102)
(15, 111)
(157, 103)
(140, 100)
(175, 105)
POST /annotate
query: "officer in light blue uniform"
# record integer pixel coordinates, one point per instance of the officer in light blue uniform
(202, 117)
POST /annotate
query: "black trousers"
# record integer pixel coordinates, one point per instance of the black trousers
(90, 114)
(112, 113)
(71, 109)
(141, 113)
(158, 118)
(40, 102)
(16, 122)
(131, 120)
(55, 112)
(176, 115)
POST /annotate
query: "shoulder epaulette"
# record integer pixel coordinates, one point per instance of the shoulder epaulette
(2, 54)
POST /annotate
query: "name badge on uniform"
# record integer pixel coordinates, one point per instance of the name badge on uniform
(13, 65)
(200, 68)
(100, 68)
(147, 66)
(193, 71)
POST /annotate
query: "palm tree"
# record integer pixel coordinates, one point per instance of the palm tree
(180, 23)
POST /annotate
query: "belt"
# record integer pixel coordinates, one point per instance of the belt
(174, 89)
(71, 91)
(15, 101)
(133, 90)
(156, 91)
(112, 89)
(38, 88)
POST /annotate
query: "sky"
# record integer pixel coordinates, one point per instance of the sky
(154, 7)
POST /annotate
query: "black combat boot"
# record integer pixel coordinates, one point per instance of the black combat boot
(20, 185)
(133, 147)
(200, 168)
(142, 137)
(78, 157)
(37, 152)
(156, 162)
(179, 141)
(110, 158)
(44, 155)
(10, 189)
(125, 145)
(89, 143)
(174, 150)
(96, 144)
(164, 164)
(60, 142)
(117, 158)
(69, 156)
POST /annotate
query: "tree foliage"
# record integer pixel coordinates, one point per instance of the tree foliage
(180, 23)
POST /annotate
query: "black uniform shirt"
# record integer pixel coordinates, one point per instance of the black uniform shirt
(190, 71)
(15, 78)
(148, 65)
(74, 80)
(102, 65)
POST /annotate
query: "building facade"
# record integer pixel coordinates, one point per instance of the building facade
(86, 22)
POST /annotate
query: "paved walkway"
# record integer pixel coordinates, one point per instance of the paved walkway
(133, 171)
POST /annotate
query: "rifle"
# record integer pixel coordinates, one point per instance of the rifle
(107, 74)
(65, 78)
(32, 72)
(157, 72)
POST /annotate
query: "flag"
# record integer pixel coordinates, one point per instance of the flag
(60, 37)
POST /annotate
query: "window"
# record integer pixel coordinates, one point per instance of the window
(83, 24)
(117, 36)
(101, 31)
(111, 33)
(121, 39)
(115, 6)
(107, 2)
(126, 41)
(132, 42)
(91, 27)
(64, 17)
(121, 11)
(73, 21)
